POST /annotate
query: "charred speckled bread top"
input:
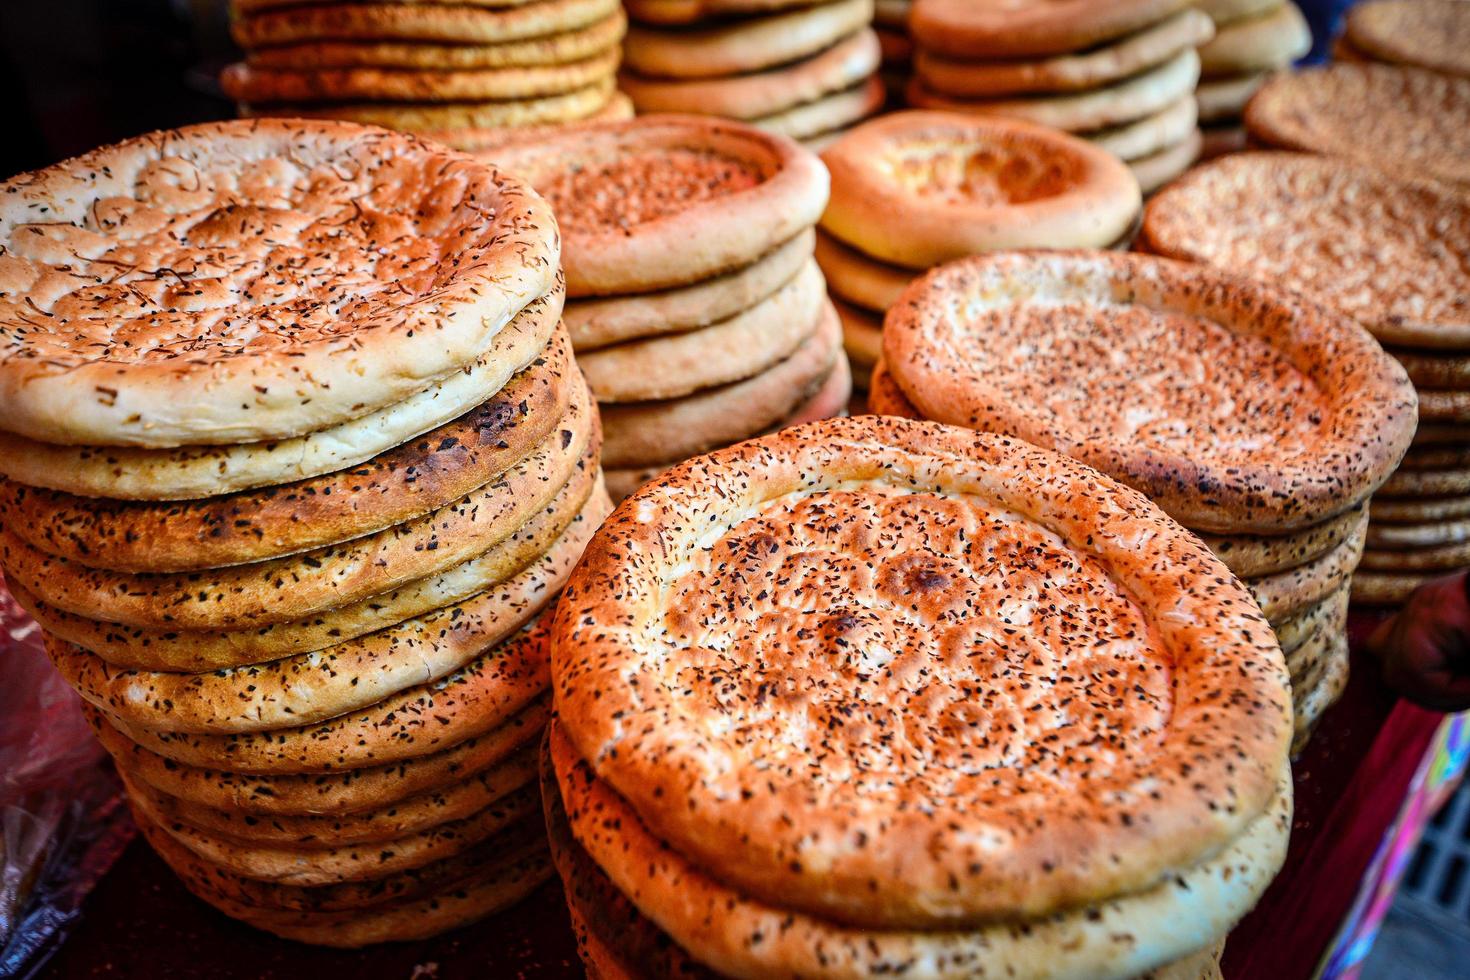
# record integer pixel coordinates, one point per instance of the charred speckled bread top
(1235, 406)
(1406, 121)
(899, 674)
(1393, 255)
(668, 200)
(250, 280)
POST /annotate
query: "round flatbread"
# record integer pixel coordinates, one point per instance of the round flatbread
(862, 334)
(740, 46)
(595, 323)
(1157, 169)
(1316, 702)
(1383, 536)
(658, 203)
(1393, 256)
(1428, 483)
(1169, 129)
(1079, 112)
(689, 12)
(862, 281)
(1442, 434)
(1442, 457)
(190, 472)
(914, 535)
(307, 688)
(640, 434)
(399, 485)
(1444, 369)
(757, 937)
(1224, 99)
(917, 189)
(1432, 34)
(1002, 29)
(1265, 43)
(1387, 588)
(732, 350)
(1288, 594)
(1405, 121)
(1070, 72)
(148, 308)
(297, 586)
(1251, 556)
(828, 114)
(763, 93)
(552, 49)
(1142, 367)
(1292, 633)
(1229, 11)
(1410, 510)
(1437, 558)
(452, 24)
(617, 108)
(435, 117)
(1444, 406)
(539, 539)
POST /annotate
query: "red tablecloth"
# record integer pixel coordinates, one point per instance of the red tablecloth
(141, 922)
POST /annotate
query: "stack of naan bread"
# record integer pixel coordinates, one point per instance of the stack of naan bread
(696, 309)
(462, 72)
(1253, 40)
(1121, 74)
(1394, 256)
(1259, 420)
(807, 69)
(874, 697)
(912, 190)
(295, 454)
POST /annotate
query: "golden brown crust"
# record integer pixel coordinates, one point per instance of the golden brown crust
(244, 82)
(1081, 112)
(662, 202)
(1389, 536)
(763, 93)
(1288, 594)
(551, 49)
(149, 309)
(1387, 588)
(745, 45)
(1428, 483)
(919, 188)
(693, 11)
(1411, 510)
(1165, 129)
(298, 586)
(1329, 688)
(1433, 558)
(547, 534)
(1432, 34)
(721, 545)
(1404, 121)
(1158, 168)
(1236, 407)
(857, 278)
(827, 117)
(600, 322)
(639, 434)
(1251, 556)
(984, 29)
(1393, 255)
(1072, 71)
(731, 350)
(399, 485)
(458, 24)
(739, 935)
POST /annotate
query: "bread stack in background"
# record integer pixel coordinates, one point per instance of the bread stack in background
(914, 189)
(790, 664)
(288, 503)
(1253, 40)
(1433, 34)
(696, 309)
(1120, 74)
(804, 70)
(1258, 420)
(462, 73)
(891, 24)
(1394, 256)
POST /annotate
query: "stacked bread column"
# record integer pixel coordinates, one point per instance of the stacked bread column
(1120, 74)
(1393, 255)
(463, 73)
(291, 514)
(915, 189)
(891, 24)
(792, 67)
(1258, 420)
(1253, 39)
(1432, 34)
(699, 315)
(848, 699)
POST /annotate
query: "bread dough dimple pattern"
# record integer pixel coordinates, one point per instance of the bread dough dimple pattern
(1048, 659)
